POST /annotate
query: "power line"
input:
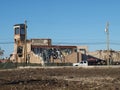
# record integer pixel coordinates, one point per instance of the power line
(6, 42)
(74, 43)
(86, 43)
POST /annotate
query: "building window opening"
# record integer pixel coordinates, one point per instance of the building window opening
(22, 31)
(17, 31)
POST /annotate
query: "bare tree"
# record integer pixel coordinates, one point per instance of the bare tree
(1, 52)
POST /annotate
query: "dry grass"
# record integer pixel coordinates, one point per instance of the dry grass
(61, 79)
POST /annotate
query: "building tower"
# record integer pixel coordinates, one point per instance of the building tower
(20, 49)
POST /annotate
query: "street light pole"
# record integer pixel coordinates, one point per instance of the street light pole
(108, 42)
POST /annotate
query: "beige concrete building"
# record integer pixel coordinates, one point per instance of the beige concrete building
(41, 50)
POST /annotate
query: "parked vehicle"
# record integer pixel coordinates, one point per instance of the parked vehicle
(82, 63)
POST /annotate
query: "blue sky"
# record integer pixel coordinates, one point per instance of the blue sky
(65, 21)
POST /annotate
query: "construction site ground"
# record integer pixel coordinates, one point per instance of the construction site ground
(61, 78)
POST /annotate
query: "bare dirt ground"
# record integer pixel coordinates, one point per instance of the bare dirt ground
(66, 78)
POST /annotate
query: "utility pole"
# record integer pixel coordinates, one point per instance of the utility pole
(107, 42)
(25, 43)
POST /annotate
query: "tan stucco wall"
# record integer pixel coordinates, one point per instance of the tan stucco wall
(102, 54)
(35, 58)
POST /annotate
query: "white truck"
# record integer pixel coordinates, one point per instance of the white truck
(82, 63)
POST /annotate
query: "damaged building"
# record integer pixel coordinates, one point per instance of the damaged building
(42, 50)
